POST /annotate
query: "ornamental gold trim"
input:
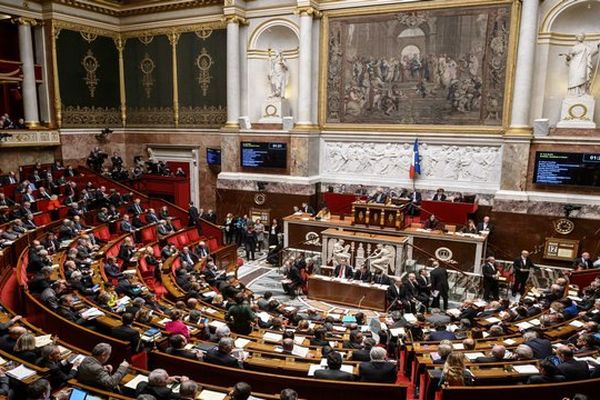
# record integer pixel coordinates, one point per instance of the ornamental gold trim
(145, 116)
(203, 33)
(147, 67)
(83, 117)
(88, 36)
(204, 62)
(204, 116)
(213, 25)
(90, 65)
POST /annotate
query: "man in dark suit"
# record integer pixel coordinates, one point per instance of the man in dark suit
(127, 333)
(187, 256)
(363, 274)
(490, 279)
(126, 226)
(177, 348)
(379, 197)
(221, 355)
(522, 266)
(541, 347)
(439, 195)
(572, 369)
(136, 208)
(159, 385)
(211, 216)
(343, 270)
(441, 333)
(151, 216)
(485, 225)
(333, 371)
(380, 278)
(126, 251)
(583, 262)
(496, 355)
(423, 286)
(364, 354)
(415, 202)
(377, 370)
(395, 294)
(307, 209)
(193, 214)
(439, 285)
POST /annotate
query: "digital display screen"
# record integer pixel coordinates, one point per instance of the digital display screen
(263, 155)
(577, 169)
(213, 156)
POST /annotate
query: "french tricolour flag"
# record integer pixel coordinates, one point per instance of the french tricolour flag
(415, 166)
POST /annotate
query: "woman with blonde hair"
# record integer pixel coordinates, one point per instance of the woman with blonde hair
(25, 348)
(453, 373)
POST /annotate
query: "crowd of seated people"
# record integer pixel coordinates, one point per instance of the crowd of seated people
(6, 122)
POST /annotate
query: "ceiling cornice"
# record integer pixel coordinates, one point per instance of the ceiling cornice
(125, 9)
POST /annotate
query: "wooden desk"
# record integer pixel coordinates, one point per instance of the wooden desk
(350, 293)
(378, 215)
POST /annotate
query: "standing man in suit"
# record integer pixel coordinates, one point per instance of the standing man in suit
(490, 279)
(439, 285)
(485, 225)
(522, 266)
(343, 270)
(395, 294)
(415, 202)
(583, 262)
(423, 286)
(194, 215)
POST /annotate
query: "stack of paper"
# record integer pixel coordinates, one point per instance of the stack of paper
(300, 351)
(509, 342)
(524, 325)
(272, 337)
(20, 373)
(575, 323)
(264, 316)
(216, 324)
(526, 369)
(211, 395)
(91, 313)
(44, 340)
(409, 317)
(473, 356)
(132, 384)
(164, 321)
(240, 343)
(397, 331)
(299, 339)
(492, 320)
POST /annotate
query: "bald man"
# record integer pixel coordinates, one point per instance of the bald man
(522, 266)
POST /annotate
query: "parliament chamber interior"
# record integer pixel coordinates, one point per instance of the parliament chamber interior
(299, 199)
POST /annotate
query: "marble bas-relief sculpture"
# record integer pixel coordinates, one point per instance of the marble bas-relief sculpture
(578, 107)
(479, 164)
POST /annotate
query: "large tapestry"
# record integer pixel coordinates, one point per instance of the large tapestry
(439, 67)
(88, 72)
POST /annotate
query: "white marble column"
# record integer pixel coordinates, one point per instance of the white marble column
(233, 71)
(305, 68)
(519, 121)
(30, 100)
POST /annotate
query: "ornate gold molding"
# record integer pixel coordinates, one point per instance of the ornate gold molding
(25, 21)
(206, 26)
(204, 62)
(206, 116)
(55, 31)
(308, 10)
(31, 138)
(174, 39)
(82, 117)
(235, 19)
(519, 131)
(90, 63)
(113, 8)
(88, 30)
(120, 45)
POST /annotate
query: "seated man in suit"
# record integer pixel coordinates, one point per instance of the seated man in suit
(433, 223)
(572, 369)
(541, 347)
(364, 354)
(548, 374)
(378, 369)
(221, 355)
(158, 385)
(441, 333)
(343, 270)
(126, 226)
(127, 333)
(496, 355)
(177, 348)
(379, 197)
(439, 195)
(485, 225)
(92, 370)
(363, 274)
(333, 371)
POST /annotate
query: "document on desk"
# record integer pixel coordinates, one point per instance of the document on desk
(20, 373)
(473, 356)
(91, 313)
(509, 342)
(409, 317)
(397, 332)
(527, 369)
(492, 320)
(264, 316)
(240, 343)
(299, 339)
(272, 337)
(523, 325)
(217, 324)
(300, 351)
(576, 323)
(44, 340)
(211, 395)
(132, 384)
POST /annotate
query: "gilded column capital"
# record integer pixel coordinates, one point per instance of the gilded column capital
(235, 19)
(308, 10)
(174, 38)
(25, 21)
(120, 43)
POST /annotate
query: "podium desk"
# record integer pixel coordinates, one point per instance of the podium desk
(448, 212)
(347, 292)
(378, 215)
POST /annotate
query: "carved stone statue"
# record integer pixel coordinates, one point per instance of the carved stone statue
(278, 75)
(581, 68)
(340, 250)
(380, 258)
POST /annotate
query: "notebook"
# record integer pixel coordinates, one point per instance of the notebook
(20, 373)
(211, 395)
